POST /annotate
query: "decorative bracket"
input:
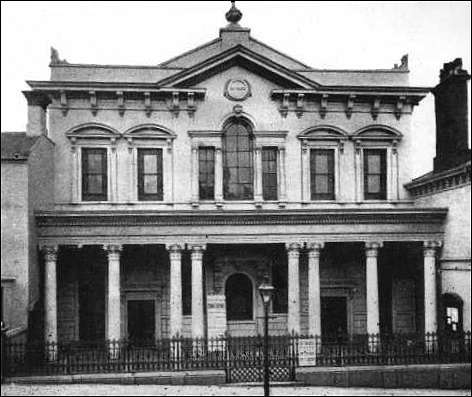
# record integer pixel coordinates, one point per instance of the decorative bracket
(63, 101)
(341, 146)
(175, 106)
(357, 146)
(399, 107)
(93, 102)
(147, 103)
(130, 144)
(324, 105)
(375, 108)
(121, 103)
(284, 107)
(350, 105)
(191, 104)
(300, 105)
(394, 146)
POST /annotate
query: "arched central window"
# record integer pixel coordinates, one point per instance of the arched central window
(238, 161)
(238, 294)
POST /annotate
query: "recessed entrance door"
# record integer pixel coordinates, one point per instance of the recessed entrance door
(333, 317)
(141, 320)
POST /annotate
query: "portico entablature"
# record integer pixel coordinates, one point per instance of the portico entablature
(234, 227)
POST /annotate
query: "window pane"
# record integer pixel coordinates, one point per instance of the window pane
(238, 162)
(373, 164)
(94, 163)
(373, 184)
(95, 184)
(150, 163)
(150, 184)
(245, 175)
(321, 163)
(321, 184)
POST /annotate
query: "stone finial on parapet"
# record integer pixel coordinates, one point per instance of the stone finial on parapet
(233, 16)
(403, 63)
(55, 60)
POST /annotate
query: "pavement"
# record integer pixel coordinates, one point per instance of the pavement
(230, 390)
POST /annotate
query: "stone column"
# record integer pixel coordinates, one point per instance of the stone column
(314, 289)
(372, 292)
(114, 296)
(218, 176)
(430, 299)
(175, 315)
(293, 288)
(50, 295)
(197, 291)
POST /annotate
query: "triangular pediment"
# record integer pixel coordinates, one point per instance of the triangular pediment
(243, 57)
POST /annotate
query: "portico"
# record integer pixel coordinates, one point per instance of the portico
(340, 267)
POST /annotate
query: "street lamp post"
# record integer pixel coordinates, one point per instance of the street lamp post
(266, 290)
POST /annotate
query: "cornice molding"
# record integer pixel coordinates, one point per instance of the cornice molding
(436, 183)
(195, 218)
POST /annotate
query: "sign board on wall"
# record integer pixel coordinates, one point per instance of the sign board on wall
(216, 315)
(307, 352)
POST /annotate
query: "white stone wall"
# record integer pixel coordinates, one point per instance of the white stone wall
(455, 262)
(210, 115)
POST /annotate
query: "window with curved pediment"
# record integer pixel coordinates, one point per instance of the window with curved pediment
(239, 299)
(238, 161)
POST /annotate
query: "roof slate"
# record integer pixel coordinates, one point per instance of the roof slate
(16, 145)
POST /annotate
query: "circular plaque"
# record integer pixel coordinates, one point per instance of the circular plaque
(237, 89)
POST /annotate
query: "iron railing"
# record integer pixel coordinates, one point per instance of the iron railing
(229, 353)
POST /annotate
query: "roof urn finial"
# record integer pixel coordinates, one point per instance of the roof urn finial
(233, 16)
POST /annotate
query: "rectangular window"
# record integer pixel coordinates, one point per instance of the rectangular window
(150, 174)
(206, 173)
(269, 173)
(322, 174)
(94, 175)
(375, 174)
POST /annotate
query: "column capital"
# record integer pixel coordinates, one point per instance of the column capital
(196, 247)
(50, 252)
(197, 251)
(431, 246)
(314, 248)
(372, 248)
(293, 246)
(174, 247)
(113, 248)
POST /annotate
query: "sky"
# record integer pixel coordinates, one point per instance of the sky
(338, 35)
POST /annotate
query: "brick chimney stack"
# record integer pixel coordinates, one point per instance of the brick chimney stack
(451, 117)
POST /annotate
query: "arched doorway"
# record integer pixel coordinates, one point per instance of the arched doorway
(238, 160)
(239, 298)
(452, 313)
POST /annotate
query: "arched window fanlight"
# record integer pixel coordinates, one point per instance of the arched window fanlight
(239, 298)
(238, 161)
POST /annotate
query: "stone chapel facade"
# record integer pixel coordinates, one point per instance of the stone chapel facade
(177, 187)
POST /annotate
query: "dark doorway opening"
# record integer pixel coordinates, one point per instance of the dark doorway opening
(333, 318)
(141, 321)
